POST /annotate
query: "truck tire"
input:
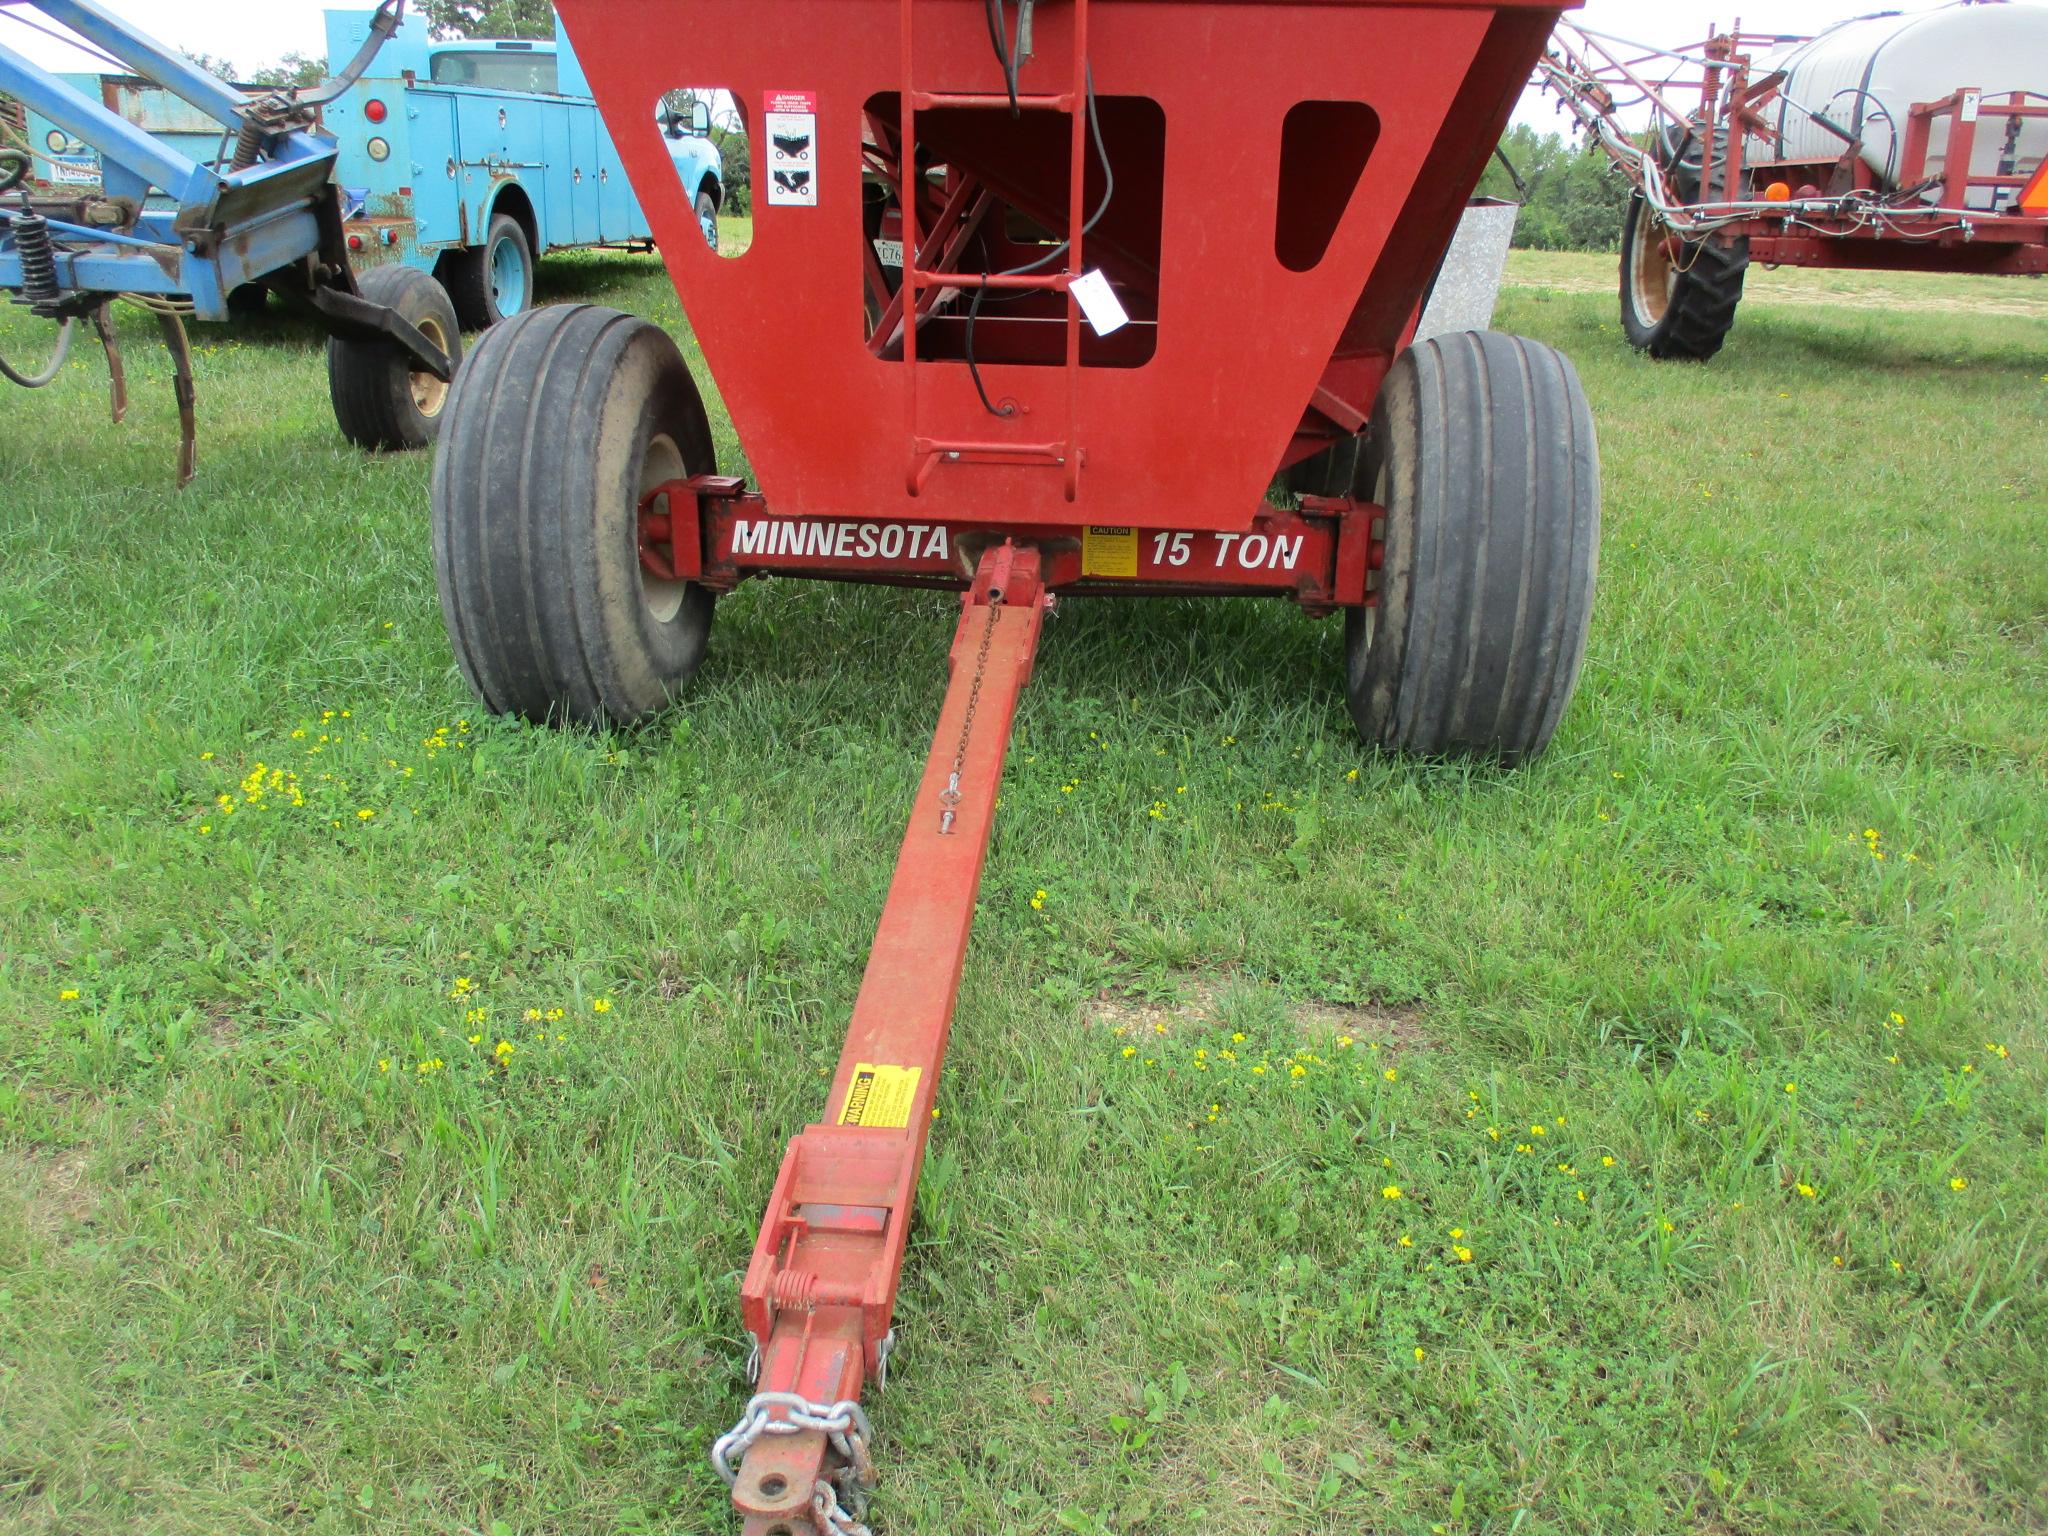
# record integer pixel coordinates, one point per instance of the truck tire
(380, 399)
(1677, 309)
(707, 218)
(561, 420)
(1483, 454)
(492, 281)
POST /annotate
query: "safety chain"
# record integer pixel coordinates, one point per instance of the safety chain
(838, 1509)
(949, 797)
(832, 1518)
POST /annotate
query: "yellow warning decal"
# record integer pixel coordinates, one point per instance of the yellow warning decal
(1109, 552)
(880, 1096)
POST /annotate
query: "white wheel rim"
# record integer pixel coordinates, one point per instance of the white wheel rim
(1653, 276)
(662, 462)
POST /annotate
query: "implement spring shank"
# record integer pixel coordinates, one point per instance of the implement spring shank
(821, 1288)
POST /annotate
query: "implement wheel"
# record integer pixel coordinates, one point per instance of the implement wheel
(1678, 300)
(563, 418)
(1482, 452)
(380, 399)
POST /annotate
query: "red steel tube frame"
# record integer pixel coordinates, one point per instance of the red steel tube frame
(1590, 72)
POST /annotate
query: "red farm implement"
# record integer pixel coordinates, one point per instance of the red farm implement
(957, 202)
(1872, 146)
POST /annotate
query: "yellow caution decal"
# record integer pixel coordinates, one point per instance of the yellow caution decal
(880, 1096)
(1109, 552)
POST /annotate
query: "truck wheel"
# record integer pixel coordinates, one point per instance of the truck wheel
(1682, 308)
(563, 418)
(1482, 452)
(380, 399)
(493, 281)
(707, 218)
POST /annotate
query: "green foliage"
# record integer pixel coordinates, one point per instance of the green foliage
(1574, 200)
(294, 69)
(736, 171)
(213, 64)
(490, 18)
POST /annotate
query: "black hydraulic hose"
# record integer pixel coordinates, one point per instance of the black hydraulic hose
(1521, 186)
(50, 370)
(1006, 53)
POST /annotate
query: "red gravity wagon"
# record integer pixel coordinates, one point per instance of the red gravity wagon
(1074, 297)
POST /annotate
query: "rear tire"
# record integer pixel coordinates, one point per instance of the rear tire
(1482, 451)
(563, 418)
(1677, 310)
(493, 281)
(380, 399)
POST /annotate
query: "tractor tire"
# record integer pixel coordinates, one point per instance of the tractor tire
(707, 219)
(1677, 310)
(380, 399)
(492, 281)
(563, 418)
(1482, 451)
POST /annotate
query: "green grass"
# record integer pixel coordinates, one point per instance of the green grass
(252, 1278)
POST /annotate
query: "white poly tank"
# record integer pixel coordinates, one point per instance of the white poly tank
(1866, 75)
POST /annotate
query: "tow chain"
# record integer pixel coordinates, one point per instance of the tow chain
(949, 797)
(838, 1505)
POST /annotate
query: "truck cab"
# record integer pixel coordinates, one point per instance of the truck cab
(471, 158)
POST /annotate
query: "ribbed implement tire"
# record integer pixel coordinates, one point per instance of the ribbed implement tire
(1483, 453)
(379, 400)
(560, 420)
(1699, 311)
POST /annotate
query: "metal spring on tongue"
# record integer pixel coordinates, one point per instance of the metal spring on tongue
(38, 259)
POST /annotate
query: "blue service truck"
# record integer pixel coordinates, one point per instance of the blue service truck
(469, 158)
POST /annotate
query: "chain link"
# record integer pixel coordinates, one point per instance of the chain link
(949, 797)
(844, 1424)
(834, 1519)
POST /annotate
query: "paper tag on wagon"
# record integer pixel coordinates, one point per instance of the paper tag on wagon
(1100, 306)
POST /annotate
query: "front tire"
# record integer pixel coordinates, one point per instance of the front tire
(707, 218)
(562, 420)
(380, 399)
(1482, 452)
(1677, 306)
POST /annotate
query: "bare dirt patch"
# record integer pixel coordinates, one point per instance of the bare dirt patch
(54, 1191)
(1207, 1002)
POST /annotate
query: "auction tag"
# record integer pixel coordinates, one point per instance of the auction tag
(790, 148)
(1099, 304)
(880, 1096)
(1109, 552)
